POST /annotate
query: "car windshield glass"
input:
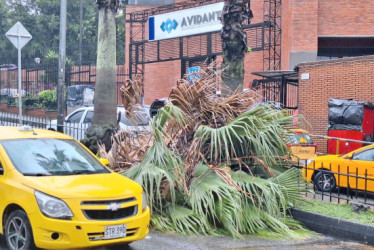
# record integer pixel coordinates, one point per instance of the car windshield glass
(141, 119)
(41, 157)
(299, 138)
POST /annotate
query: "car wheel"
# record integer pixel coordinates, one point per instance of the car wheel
(18, 234)
(325, 181)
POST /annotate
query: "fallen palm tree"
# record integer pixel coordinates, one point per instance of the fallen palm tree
(198, 139)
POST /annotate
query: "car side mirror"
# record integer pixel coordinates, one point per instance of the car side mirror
(104, 161)
(349, 156)
(1, 169)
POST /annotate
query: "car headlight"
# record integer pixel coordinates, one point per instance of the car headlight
(303, 163)
(144, 201)
(310, 161)
(52, 207)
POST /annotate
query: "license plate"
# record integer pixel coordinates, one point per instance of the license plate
(117, 231)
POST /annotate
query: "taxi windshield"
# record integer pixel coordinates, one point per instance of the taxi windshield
(299, 138)
(47, 157)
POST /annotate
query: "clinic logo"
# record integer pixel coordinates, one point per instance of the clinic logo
(169, 25)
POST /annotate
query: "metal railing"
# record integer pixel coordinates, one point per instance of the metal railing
(75, 130)
(340, 183)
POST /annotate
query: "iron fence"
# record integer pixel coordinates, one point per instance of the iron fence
(341, 183)
(36, 78)
(75, 130)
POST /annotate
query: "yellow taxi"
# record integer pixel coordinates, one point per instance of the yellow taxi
(354, 170)
(56, 194)
(301, 146)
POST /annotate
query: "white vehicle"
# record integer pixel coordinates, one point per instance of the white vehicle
(78, 121)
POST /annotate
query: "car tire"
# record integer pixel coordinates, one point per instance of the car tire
(18, 233)
(325, 181)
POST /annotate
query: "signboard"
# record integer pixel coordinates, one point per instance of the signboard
(193, 74)
(18, 35)
(186, 22)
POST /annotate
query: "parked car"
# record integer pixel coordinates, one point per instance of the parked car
(57, 194)
(156, 105)
(79, 120)
(330, 171)
(301, 145)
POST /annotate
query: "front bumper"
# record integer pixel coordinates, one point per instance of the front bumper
(83, 234)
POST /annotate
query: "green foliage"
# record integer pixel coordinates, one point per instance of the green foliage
(47, 99)
(51, 58)
(209, 197)
(42, 19)
(342, 211)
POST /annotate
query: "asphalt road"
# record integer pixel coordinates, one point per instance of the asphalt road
(162, 241)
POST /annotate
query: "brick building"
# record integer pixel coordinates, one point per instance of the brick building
(317, 36)
(309, 31)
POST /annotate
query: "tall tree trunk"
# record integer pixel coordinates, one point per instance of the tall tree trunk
(234, 43)
(104, 122)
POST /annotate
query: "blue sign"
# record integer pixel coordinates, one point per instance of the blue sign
(169, 25)
(187, 22)
(193, 74)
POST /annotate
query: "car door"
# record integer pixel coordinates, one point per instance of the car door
(73, 124)
(362, 165)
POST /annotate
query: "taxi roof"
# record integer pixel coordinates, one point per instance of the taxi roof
(7, 133)
(298, 130)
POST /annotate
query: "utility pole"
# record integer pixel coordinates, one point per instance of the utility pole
(61, 69)
(80, 30)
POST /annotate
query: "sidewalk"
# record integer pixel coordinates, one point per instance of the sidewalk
(164, 241)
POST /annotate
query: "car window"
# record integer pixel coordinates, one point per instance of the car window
(367, 155)
(89, 116)
(51, 157)
(141, 119)
(76, 117)
(299, 138)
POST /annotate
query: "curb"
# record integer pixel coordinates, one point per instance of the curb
(335, 227)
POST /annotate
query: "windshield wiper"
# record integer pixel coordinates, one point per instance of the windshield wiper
(36, 174)
(88, 171)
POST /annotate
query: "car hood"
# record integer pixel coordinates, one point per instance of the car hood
(108, 185)
(326, 157)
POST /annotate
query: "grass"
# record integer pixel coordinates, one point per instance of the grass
(342, 211)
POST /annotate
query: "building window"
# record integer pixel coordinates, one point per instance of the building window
(154, 2)
(334, 48)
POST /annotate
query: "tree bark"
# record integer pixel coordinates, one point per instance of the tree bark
(234, 43)
(104, 121)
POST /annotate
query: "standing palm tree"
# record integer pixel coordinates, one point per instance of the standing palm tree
(105, 119)
(234, 42)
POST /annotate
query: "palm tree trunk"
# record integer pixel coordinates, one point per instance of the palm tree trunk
(234, 43)
(105, 89)
(104, 122)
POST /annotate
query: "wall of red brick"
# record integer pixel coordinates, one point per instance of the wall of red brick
(39, 112)
(349, 78)
(158, 79)
(346, 18)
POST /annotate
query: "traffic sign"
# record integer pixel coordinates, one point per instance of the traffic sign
(19, 36)
(18, 32)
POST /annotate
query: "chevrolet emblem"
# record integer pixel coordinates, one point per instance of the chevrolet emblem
(114, 206)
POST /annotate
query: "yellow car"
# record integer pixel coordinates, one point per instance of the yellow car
(56, 194)
(301, 145)
(331, 171)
